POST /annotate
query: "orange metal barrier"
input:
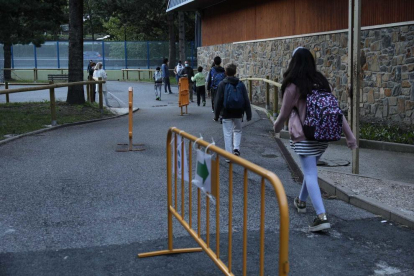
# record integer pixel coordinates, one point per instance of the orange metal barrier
(205, 245)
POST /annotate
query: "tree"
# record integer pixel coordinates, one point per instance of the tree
(21, 24)
(75, 93)
(172, 49)
(181, 35)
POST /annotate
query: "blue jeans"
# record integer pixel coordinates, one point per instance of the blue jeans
(310, 182)
(167, 84)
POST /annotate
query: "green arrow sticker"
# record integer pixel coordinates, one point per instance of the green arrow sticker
(202, 170)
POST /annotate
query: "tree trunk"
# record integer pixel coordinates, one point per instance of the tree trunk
(171, 32)
(181, 36)
(75, 93)
(7, 60)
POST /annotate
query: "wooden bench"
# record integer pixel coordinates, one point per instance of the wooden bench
(61, 77)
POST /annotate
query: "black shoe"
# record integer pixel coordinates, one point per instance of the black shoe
(300, 205)
(171, 93)
(236, 152)
(319, 224)
(204, 103)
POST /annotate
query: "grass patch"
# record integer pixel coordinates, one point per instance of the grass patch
(392, 134)
(19, 118)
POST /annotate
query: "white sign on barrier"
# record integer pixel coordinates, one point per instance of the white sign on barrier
(179, 160)
(202, 177)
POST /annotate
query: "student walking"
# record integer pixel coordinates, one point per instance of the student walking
(177, 70)
(157, 83)
(232, 99)
(189, 72)
(216, 76)
(304, 87)
(199, 80)
(100, 73)
(166, 76)
(91, 70)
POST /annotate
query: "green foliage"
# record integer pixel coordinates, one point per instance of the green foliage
(21, 23)
(393, 134)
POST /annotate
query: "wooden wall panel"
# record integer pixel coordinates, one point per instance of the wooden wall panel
(378, 12)
(241, 20)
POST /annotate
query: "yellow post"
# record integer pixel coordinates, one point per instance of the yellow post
(100, 95)
(250, 90)
(88, 91)
(131, 95)
(6, 86)
(275, 100)
(267, 94)
(52, 104)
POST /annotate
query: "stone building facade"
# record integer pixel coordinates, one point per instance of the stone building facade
(387, 57)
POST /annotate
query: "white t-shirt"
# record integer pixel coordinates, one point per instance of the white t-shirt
(100, 74)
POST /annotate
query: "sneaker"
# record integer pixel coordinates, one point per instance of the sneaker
(171, 93)
(204, 103)
(320, 223)
(300, 205)
(236, 152)
(158, 99)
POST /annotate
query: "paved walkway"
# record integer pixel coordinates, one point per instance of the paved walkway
(71, 205)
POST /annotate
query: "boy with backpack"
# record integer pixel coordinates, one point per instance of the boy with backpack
(177, 70)
(157, 83)
(232, 99)
(216, 76)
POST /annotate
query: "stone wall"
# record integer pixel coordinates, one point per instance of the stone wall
(387, 58)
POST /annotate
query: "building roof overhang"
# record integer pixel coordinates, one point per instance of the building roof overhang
(190, 5)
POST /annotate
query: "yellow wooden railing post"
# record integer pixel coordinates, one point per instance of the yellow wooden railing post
(267, 94)
(52, 104)
(88, 90)
(250, 90)
(100, 95)
(275, 100)
(6, 86)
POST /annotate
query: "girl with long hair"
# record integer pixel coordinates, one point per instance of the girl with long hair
(299, 80)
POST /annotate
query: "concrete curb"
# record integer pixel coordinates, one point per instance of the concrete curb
(363, 143)
(11, 139)
(360, 201)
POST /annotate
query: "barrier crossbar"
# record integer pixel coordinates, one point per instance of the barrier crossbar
(173, 211)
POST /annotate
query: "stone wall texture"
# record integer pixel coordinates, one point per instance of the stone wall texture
(387, 57)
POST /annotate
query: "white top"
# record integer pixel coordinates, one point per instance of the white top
(100, 74)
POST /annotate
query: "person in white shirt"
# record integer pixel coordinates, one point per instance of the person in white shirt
(100, 73)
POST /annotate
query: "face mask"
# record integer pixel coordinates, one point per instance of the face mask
(186, 65)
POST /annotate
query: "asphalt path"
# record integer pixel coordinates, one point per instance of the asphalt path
(72, 205)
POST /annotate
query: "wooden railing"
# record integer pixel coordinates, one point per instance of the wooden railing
(139, 71)
(51, 87)
(267, 96)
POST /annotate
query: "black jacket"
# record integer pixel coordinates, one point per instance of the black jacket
(189, 72)
(219, 69)
(231, 113)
